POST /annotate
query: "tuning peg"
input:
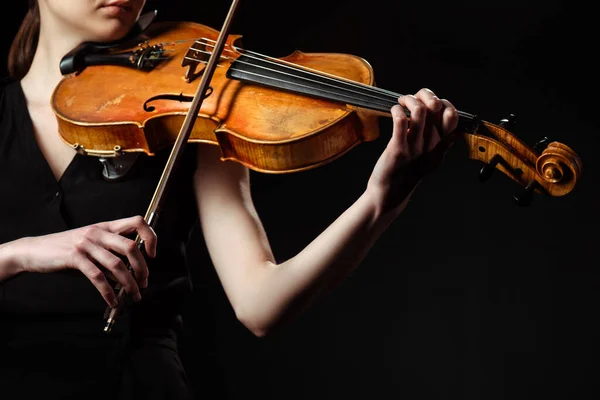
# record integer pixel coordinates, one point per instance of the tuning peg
(541, 144)
(488, 169)
(509, 121)
(524, 196)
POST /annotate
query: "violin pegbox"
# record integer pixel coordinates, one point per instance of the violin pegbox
(549, 168)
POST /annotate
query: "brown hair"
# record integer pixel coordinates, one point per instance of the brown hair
(25, 43)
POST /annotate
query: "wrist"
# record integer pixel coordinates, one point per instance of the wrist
(12, 258)
(384, 204)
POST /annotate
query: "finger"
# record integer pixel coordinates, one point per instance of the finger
(418, 115)
(149, 239)
(429, 98)
(109, 275)
(134, 224)
(116, 267)
(95, 234)
(435, 108)
(400, 128)
(97, 278)
(127, 248)
(449, 118)
(144, 283)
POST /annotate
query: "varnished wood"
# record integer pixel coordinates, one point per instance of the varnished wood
(557, 169)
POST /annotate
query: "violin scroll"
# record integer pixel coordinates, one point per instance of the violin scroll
(553, 170)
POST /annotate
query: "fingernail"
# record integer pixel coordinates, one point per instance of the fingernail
(137, 297)
(114, 302)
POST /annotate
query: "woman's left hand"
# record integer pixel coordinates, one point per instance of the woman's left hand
(415, 149)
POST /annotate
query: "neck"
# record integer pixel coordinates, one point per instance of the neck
(44, 73)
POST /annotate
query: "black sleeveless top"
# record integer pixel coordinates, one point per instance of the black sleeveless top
(61, 314)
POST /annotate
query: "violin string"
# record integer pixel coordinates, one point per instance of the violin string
(297, 67)
(202, 61)
(297, 85)
(175, 42)
(386, 101)
(275, 61)
(311, 88)
(390, 104)
(307, 69)
(394, 96)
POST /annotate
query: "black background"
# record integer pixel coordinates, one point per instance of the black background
(466, 295)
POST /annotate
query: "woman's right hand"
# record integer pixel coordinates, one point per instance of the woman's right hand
(88, 249)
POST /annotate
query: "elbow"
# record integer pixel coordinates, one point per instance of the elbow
(260, 319)
(256, 325)
(259, 313)
(258, 332)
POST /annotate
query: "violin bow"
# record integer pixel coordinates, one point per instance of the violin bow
(153, 211)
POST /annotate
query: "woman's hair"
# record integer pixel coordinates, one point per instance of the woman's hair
(25, 43)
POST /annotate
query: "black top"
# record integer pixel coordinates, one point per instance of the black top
(43, 316)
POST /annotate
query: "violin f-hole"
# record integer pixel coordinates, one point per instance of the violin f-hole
(177, 97)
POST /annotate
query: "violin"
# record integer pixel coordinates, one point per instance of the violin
(273, 115)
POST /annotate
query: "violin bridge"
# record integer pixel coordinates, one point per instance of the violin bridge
(196, 55)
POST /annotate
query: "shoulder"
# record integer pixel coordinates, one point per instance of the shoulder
(11, 96)
(11, 104)
(5, 82)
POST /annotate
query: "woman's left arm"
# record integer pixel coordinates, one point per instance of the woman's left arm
(264, 294)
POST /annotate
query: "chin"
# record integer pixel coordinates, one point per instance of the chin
(110, 31)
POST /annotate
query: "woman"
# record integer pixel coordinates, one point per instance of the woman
(66, 230)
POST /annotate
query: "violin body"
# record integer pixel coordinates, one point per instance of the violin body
(107, 110)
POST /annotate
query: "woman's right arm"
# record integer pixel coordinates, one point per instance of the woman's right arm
(85, 249)
(9, 259)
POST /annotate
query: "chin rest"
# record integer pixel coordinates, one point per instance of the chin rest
(75, 60)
